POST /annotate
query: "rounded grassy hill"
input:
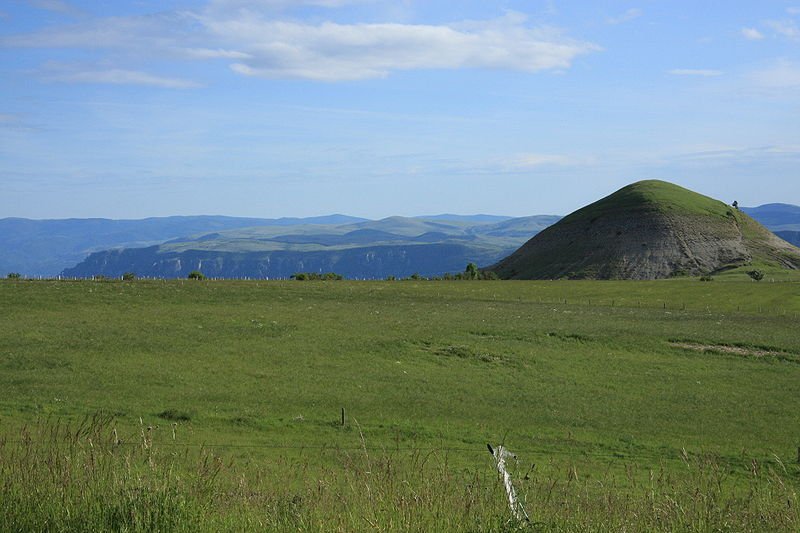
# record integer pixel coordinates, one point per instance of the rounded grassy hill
(648, 230)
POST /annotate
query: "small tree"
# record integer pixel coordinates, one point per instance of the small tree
(14, 275)
(756, 275)
(196, 274)
(471, 272)
(735, 204)
(129, 276)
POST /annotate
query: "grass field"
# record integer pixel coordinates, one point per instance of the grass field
(668, 405)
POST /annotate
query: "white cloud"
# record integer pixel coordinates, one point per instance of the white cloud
(271, 47)
(695, 72)
(118, 76)
(218, 53)
(752, 34)
(629, 15)
(793, 10)
(333, 52)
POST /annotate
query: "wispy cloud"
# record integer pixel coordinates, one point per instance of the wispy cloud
(116, 76)
(16, 122)
(146, 33)
(780, 76)
(629, 15)
(271, 47)
(535, 161)
(695, 72)
(752, 34)
(218, 53)
(784, 28)
(59, 6)
(333, 52)
(282, 4)
(740, 154)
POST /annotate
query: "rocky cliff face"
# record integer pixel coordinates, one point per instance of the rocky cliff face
(648, 230)
(357, 263)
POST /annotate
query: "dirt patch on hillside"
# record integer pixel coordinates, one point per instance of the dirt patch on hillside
(734, 350)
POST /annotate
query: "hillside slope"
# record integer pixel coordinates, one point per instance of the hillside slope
(648, 230)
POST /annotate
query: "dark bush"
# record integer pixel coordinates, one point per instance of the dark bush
(174, 415)
(196, 274)
(312, 276)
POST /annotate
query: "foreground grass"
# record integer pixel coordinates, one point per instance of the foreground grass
(644, 406)
(83, 478)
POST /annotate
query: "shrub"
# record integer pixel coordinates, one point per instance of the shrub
(14, 275)
(175, 415)
(128, 276)
(306, 276)
(706, 278)
(196, 274)
(756, 275)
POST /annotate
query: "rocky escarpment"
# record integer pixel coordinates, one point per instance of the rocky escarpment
(375, 262)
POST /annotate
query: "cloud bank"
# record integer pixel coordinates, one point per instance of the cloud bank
(259, 43)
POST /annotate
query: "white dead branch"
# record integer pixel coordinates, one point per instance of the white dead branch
(500, 455)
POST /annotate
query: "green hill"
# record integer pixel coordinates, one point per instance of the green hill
(649, 230)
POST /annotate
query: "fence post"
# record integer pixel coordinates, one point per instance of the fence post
(500, 455)
(343, 418)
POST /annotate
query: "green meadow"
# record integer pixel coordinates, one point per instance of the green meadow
(217, 405)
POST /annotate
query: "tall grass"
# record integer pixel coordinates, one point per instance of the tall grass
(86, 478)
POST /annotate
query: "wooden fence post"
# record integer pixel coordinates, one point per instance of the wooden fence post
(500, 455)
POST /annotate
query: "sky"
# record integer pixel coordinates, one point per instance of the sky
(373, 108)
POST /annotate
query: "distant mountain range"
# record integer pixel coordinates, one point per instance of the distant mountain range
(262, 247)
(782, 219)
(46, 247)
(372, 249)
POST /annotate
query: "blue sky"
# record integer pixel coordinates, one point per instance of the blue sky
(269, 108)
